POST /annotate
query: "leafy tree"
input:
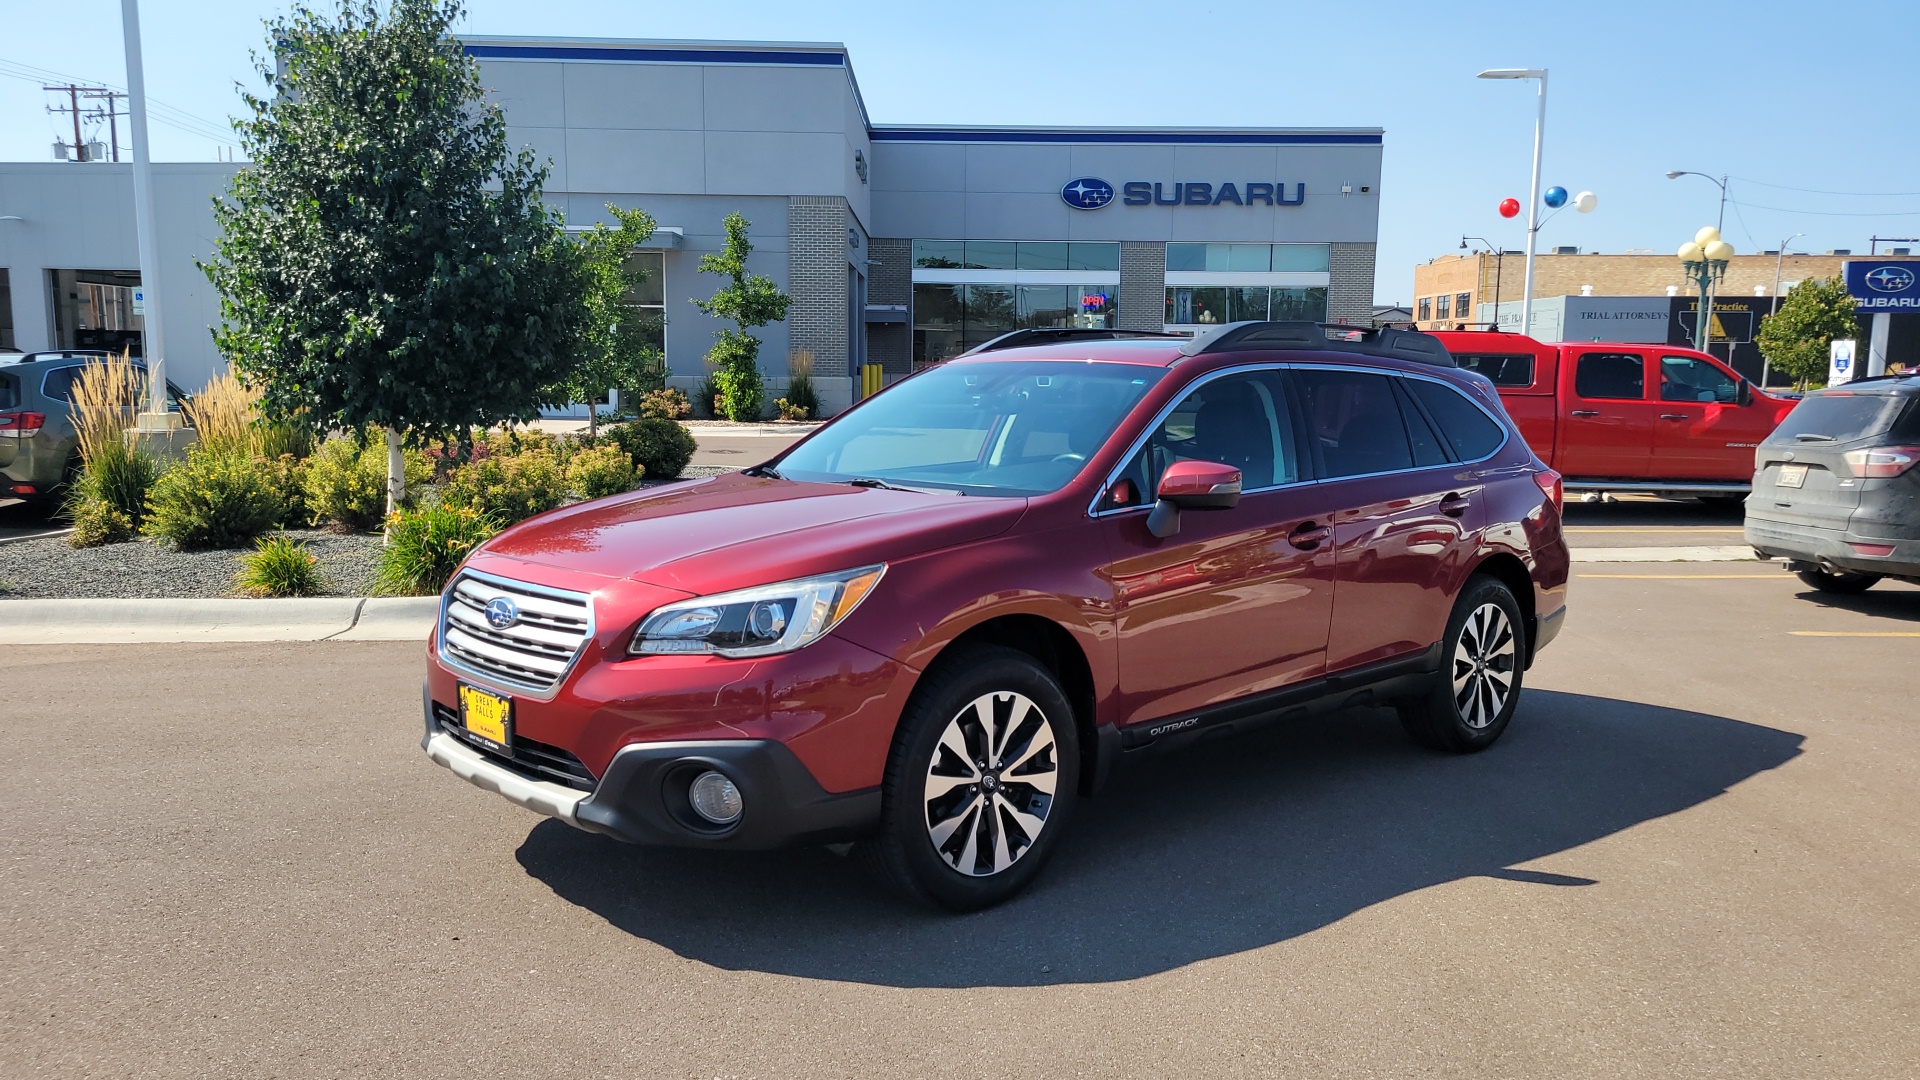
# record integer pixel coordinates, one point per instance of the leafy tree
(749, 300)
(385, 260)
(1812, 316)
(616, 348)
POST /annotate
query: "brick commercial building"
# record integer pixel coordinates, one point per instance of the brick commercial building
(899, 244)
(1440, 285)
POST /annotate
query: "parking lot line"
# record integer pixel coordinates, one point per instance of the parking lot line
(1672, 577)
(1855, 633)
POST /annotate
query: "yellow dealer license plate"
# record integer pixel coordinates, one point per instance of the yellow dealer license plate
(1791, 476)
(489, 716)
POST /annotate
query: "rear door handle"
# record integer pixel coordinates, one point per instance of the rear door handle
(1309, 535)
(1455, 505)
(1674, 416)
(1584, 412)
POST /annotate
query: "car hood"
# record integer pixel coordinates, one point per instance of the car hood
(736, 531)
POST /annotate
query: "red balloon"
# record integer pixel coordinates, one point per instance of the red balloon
(1509, 207)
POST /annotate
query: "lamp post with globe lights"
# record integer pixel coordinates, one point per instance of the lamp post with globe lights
(1705, 259)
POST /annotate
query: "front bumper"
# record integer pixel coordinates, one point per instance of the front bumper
(641, 797)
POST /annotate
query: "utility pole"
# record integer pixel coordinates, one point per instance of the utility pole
(112, 115)
(73, 106)
(153, 341)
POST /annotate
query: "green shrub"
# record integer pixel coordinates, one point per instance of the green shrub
(787, 410)
(660, 448)
(119, 476)
(96, 523)
(801, 396)
(597, 473)
(213, 499)
(740, 393)
(346, 483)
(508, 487)
(279, 566)
(425, 546)
(287, 476)
(706, 399)
(667, 404)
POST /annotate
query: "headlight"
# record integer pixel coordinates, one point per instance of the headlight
(756, 622)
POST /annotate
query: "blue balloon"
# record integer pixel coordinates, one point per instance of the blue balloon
(1556, 197)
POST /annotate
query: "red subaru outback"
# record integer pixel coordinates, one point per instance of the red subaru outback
(934, 625)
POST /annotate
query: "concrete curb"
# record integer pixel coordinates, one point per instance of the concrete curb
(1731, 553)
(49, 535)
(107, 622)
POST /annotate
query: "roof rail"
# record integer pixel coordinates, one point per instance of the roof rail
(1334, 337)
(1056, 335)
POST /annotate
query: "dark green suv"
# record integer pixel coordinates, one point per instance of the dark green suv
(39, 450)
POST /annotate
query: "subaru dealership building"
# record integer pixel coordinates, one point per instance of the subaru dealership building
(899, 244)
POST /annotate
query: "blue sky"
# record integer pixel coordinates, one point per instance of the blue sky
(1782, 96)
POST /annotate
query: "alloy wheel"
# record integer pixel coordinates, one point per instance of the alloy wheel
(1483, 665)
(991, 783)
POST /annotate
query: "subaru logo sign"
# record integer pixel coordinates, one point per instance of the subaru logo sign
(502, 612)
(1087, 193)
(1890, 279)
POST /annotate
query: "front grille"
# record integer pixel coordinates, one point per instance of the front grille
(534, 652)
(528, 757)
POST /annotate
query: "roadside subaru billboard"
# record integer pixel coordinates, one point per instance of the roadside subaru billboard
(1884, 286)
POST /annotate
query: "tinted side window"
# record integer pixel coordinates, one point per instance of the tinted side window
(1472, 433)
(1502, 369)
(9, 394)
(1354, 422)
(1240, 420)
(1611, 376)
(1428, 449)
(1685, 378)
(59, 383)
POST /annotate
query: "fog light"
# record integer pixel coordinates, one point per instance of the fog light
(715, 798)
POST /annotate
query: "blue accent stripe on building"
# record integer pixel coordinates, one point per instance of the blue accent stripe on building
(1227, 138)
(637, 56)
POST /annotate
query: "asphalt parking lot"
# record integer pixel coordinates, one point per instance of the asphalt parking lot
(20, 519)
(1695, 854)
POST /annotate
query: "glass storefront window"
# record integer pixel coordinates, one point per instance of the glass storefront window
(1302, 258)
(1085, 256)
(990, 255)
(950, 319)
(1208, 305)
(1041, 256)
(649, 298)
(991, 311)
(1045, 305)
(1220, 257)
(940, 254)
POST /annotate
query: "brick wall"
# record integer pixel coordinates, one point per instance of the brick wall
(817, 280)
(1350, 288)
(1143, 286)
(890, 281)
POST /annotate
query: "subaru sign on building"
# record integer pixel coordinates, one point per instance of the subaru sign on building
(900, 244)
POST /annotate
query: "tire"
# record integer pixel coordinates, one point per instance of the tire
(1485, 647)
(1840, 584)
(935, 844)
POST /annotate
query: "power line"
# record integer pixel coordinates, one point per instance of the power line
(1829, 213)
(1824, 191)
(158, 111)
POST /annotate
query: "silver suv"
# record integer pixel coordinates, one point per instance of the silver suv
(39, 449)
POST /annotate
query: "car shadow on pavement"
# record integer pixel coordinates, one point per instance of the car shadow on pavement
(1224, 848)
(1881, 602)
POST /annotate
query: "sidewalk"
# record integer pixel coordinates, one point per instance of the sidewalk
(108, 622)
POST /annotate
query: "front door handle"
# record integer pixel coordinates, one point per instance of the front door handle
(1455, 505)
(1674, 416)
(1308, 535)
(1584, 412)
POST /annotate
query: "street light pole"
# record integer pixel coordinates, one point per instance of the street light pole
(1533, 190)
(1499, 257)
(152, 340)
(1780, 256)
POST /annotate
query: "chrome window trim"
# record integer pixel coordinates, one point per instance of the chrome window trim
(1506, 430)
(494, 682)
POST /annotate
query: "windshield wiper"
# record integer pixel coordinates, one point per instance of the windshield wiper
(1808, 436)
(767, 471)
(876, 482)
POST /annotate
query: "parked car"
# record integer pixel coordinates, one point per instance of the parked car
(1627, 417)
(1835, 490)
(39, 448)
(936, 623)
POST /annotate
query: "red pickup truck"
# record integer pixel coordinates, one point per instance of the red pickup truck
(1627, 417)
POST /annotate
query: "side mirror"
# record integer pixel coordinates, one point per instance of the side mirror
(1192, 485)
(1743, 395)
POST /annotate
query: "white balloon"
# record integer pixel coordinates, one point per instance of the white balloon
(1585, 202)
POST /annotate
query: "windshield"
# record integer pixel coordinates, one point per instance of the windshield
(1839, 416)
(1005, 427)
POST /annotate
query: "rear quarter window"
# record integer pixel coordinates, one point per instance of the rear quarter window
(58, 385)
(1472, 433)
(9, 392)
(1842, 417)
(1502, 369)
